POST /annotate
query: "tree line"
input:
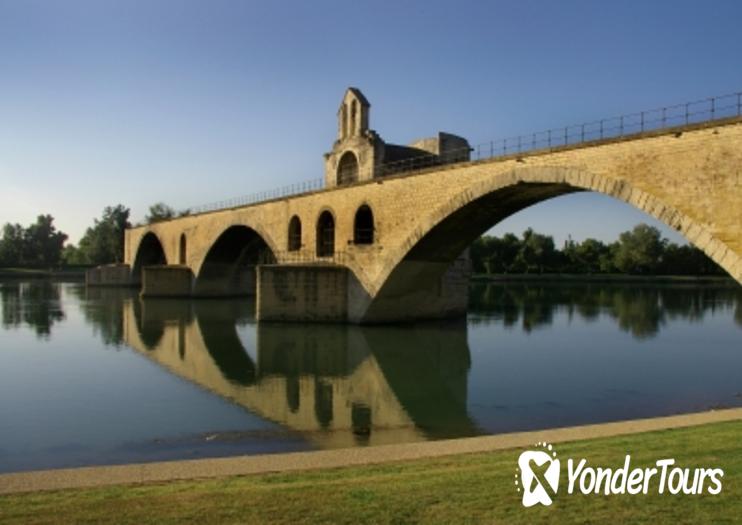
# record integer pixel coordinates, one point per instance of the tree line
(41, 245)
(640, 251)
(38, 245)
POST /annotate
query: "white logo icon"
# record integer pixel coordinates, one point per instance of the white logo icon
(539, 475)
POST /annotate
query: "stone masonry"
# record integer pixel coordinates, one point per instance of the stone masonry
(690, 178)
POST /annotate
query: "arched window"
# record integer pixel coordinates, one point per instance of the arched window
(294, 234)
(347, 168)
(182, 252)
(353, 114)
(363, 226)
(326, 235)
(343, 121)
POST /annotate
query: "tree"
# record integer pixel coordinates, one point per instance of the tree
(640, 250)
(494, 254)
(38, 245)
(159, 212)
(43, 243)
(72, 255)
(687, 260)
(537, 253)
(503, 253)
(479, 252)
(590, 255)
(103, 243)
(11, 245)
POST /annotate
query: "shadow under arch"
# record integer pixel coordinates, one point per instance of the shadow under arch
(229, 266)
(438, 357)
(217, 322)
(150, 326)
(149, 253)
(372, 371)
(451, 229)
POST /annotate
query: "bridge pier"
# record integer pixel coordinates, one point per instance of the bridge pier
(109, 275)
(176, 280)
(167, 281)
(314, 293)
(333, 294)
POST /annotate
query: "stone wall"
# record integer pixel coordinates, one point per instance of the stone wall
(167, 281)
(313, 293)
(109, 275)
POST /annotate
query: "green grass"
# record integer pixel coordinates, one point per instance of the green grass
(475, 488)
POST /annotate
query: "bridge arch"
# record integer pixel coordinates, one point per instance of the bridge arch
(228, 268)
(441, 237)
(150, 252)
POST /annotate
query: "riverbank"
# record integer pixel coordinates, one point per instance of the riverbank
(602, 278)
(472, 487)
(65, 274)
(78, 274)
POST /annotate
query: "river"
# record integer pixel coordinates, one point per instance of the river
(100, 376)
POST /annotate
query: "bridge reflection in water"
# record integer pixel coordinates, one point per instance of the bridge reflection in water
(338, 385)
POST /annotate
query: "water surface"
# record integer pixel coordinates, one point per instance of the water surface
(100, 376)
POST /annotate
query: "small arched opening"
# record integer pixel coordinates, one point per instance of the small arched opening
(347, 169)
(363, 226)
(343, 121)
(294, 243)
(353, 117)
(182, 250)
(326, 235)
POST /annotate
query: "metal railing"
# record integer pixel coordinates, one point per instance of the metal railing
(254, 198)
(632, 124)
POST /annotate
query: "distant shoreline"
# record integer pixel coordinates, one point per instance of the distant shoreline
(600, 278)
(78, 274)
(67, 274)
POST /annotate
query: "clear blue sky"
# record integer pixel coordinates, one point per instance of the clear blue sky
(105, 102)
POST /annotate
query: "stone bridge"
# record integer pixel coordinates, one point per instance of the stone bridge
(381, 244)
